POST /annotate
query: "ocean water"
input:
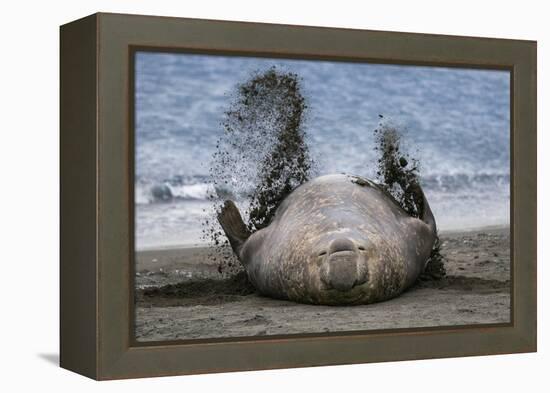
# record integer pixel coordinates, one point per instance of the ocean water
(456, 121)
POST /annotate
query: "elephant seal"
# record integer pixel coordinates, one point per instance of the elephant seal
(335, 240)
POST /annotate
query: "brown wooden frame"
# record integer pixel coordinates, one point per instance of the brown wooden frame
(97, 153)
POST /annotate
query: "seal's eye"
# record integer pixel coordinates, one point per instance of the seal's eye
(361, 248)
(322, 253)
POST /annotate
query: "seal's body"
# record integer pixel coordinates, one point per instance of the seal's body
(336, 240)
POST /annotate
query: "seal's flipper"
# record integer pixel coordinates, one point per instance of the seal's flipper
(422, 206)
(434, 268)
(232, 223)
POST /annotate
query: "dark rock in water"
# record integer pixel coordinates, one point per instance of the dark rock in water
(162, 193)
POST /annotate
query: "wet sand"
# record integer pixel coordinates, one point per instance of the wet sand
(179, 296)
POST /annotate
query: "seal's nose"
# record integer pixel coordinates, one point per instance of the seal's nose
(341, 244)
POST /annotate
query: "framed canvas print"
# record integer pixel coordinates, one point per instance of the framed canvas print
(240, 196)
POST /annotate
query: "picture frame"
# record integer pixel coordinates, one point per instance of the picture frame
(96, 196)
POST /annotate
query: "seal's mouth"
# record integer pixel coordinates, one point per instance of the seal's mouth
(342, 254)
(340, 270)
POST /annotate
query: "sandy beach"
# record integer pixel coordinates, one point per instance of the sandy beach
(179, 296)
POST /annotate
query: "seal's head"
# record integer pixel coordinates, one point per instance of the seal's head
(340, 265)
(339, 268)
